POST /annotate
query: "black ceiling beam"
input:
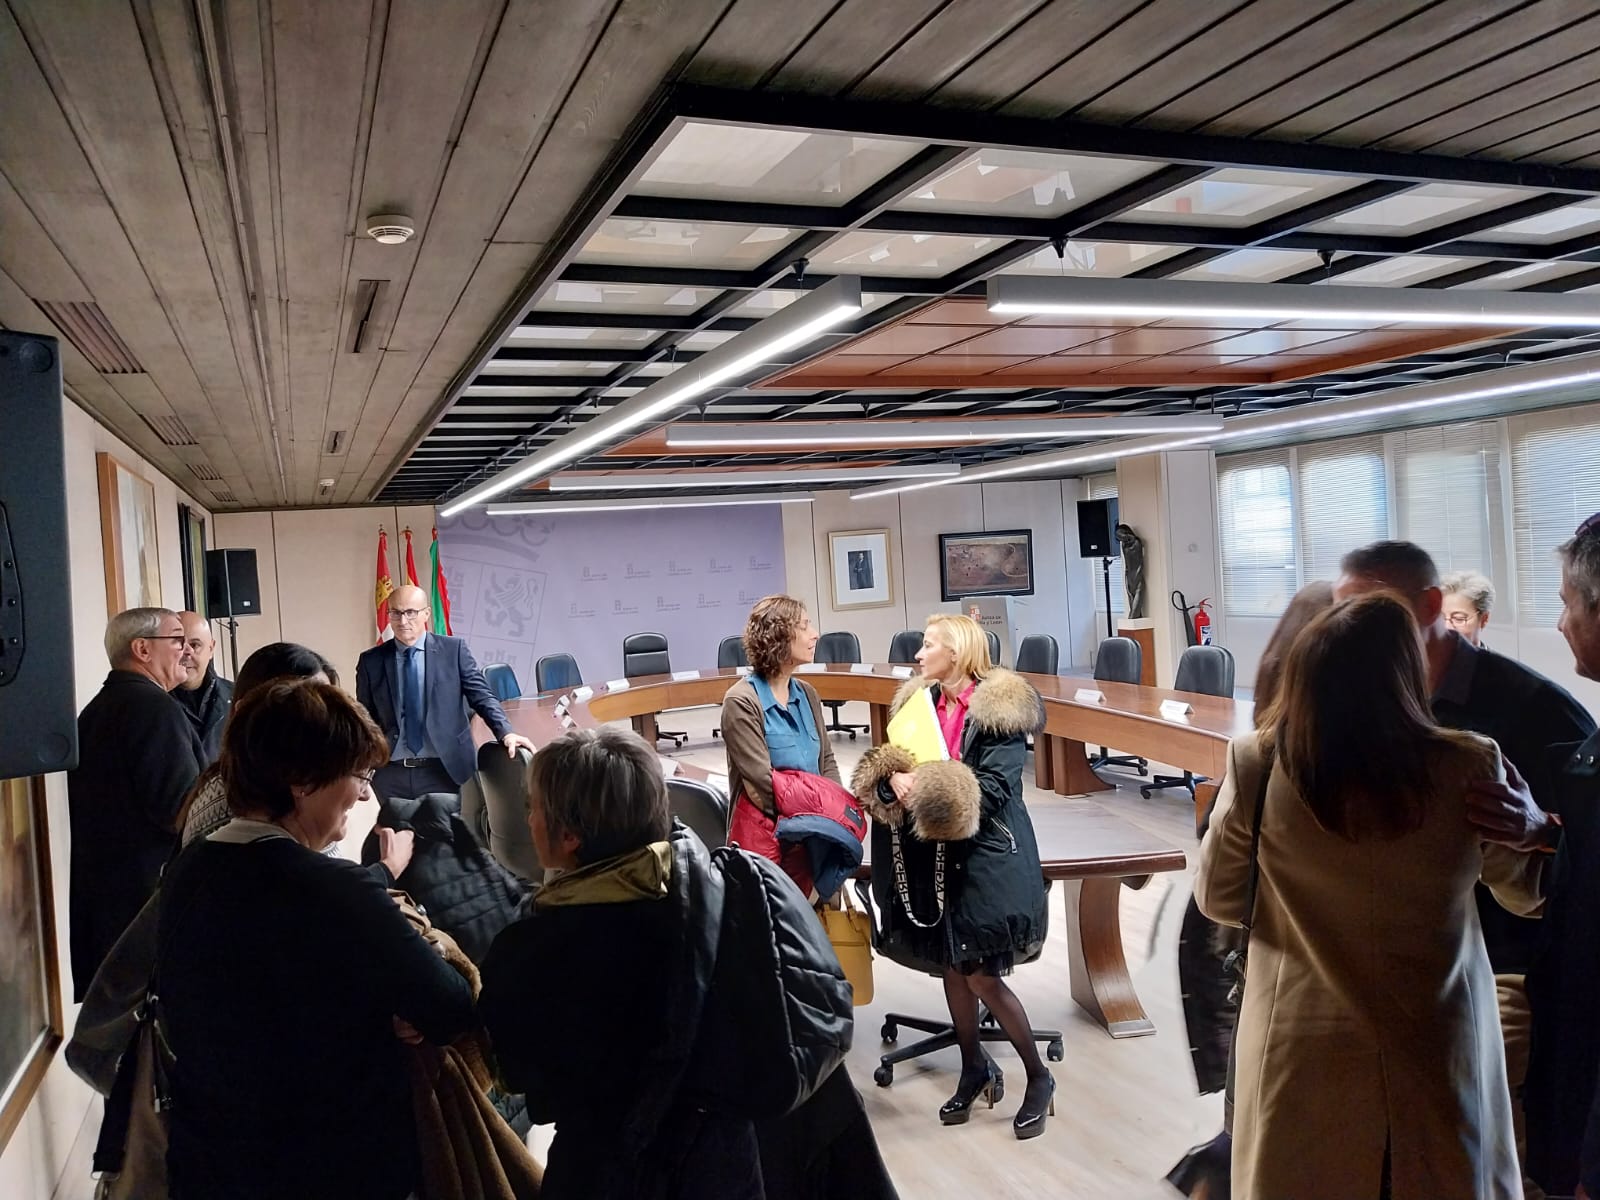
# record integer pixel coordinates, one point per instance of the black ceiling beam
(974, 128)
(1567, 283)
(666, 322)
(532, 381)
(570, 353)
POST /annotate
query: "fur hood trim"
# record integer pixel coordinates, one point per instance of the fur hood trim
(1003, 703)
(876, 765)
(944, 802)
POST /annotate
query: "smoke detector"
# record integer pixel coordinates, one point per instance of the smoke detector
(391, 228)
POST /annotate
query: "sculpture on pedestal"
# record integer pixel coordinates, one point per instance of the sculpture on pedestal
(1132, 568)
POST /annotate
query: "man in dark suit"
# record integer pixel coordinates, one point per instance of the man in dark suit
(422, 689)
(138, 756)
(204, 695)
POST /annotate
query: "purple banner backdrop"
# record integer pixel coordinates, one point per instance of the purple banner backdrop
(523, 587)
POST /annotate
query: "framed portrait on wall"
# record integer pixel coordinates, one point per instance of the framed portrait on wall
(192, 540)
(995, 563)
(128, 536)
(30, 980)
(862, 575)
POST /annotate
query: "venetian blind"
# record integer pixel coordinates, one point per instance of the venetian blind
(1343, 502)
(1447, 493)
(1255, 526)
(1555, 484)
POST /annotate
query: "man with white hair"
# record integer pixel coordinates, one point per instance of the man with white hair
(138, 756)
(204, 694)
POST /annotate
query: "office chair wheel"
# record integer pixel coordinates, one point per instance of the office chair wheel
(852, 735)
(884, 1075)
(1145, 792)
(1143, 771)
(890, 1033)
(1055, 1051)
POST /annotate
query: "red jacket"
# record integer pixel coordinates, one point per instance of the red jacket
(816, 837)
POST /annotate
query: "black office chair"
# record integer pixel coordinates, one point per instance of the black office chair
(494, 804)
(941, 1034)
(556, 672)
(1119, 660)
(839, 648)
(646, 654)
(502, 681)
(701, 807)
(1207, 670)
(1039, 654)
(904, 646)
(730, 653)
(994, 646)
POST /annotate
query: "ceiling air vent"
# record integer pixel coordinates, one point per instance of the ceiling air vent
(337, 441)
(86, 327)
(224, 496)
(171, 430)
(205, 471)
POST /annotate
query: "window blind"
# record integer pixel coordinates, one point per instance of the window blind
(1104, 487)
(1555, 484)
(1343, 503)
(1448, 493)
(1255, 526)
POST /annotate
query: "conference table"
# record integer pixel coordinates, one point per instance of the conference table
(1082, 844)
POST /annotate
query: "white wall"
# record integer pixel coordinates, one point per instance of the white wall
(1062, 605)
(33, 1159)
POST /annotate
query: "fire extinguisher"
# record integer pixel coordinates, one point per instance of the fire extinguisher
(1202, 624)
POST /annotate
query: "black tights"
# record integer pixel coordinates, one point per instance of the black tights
(963, 993)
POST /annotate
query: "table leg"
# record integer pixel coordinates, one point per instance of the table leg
(645, 726)
(1044, 776)
(1070, 771)
(1099, 972)
(878, 720)
(1204, 794)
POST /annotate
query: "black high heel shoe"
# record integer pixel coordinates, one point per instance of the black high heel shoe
(1205, 1173)
(1036, 1101)
(990, 1086)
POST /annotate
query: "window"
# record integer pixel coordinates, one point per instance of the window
(1555, 484)
(1343, 503)
(1447, 494)
(1104, 487)
(1256, 529)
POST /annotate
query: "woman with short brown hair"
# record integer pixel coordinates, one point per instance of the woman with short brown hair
(287, 977)
(1369, 1057)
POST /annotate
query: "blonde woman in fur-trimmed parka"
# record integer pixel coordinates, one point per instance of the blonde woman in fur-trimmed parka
(956, 873)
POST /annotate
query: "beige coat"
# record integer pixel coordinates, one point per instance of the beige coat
(1370, 1011)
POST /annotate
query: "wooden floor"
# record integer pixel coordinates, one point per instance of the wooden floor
(1125, 1110)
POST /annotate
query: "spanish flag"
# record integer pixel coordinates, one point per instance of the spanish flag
(384, 587)
(411, 563)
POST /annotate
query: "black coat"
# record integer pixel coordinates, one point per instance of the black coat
(466, 893)
(138, 756)
(995, 900)
(208, 706)
(1562, 1093)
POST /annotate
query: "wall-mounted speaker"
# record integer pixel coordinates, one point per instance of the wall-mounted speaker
(38, 707)
(1097, 529)
(232, 586)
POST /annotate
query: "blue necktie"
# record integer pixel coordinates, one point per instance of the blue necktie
(411, 697)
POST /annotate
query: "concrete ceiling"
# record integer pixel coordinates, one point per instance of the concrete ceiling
(184, 186)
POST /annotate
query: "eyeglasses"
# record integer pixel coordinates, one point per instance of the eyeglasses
(406, 614)
(1460, 618)
(366, 777)
(167, 637)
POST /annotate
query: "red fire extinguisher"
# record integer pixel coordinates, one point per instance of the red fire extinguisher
(1202, 624)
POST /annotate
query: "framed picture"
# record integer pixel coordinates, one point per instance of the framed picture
(128, 536)
(192, 539)
(30, 980)
(862, 577)
(998, 563)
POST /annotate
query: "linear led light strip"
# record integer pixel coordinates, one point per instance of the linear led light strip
(738, 499)
(1535, 378)
(728, 435)
(606, 481)
(827, 306)
(1069, 296)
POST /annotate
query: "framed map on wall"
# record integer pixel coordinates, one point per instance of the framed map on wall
(30, 980)
(128, 536)
(997, 563)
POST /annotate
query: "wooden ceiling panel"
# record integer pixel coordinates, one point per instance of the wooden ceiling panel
(912, 338)
(1022, 339)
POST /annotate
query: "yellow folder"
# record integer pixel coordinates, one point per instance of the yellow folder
(916, 728)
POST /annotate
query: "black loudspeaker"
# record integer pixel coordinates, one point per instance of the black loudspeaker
(232, 587)
(38, 708)
(1097, 529)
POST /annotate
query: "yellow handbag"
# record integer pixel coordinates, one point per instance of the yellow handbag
(850, 930)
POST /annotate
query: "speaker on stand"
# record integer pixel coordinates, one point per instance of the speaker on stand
(1097, 538)
(233, 590)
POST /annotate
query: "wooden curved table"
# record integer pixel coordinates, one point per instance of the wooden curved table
(1082, 844)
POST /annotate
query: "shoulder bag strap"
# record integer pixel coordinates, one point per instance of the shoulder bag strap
(902, 887)
(1255, 840)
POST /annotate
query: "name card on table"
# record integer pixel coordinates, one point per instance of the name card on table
(618, 685)
(720, 782)
(1089, 696)
(811, 668)
(582, 693)
(566, 721)
(684, 676)
(669, 766)
(861, 668)
(1176, 710)
(745, 670)
(901, 672)
(564, 703)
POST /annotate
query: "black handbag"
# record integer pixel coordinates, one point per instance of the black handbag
(1233, 965)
